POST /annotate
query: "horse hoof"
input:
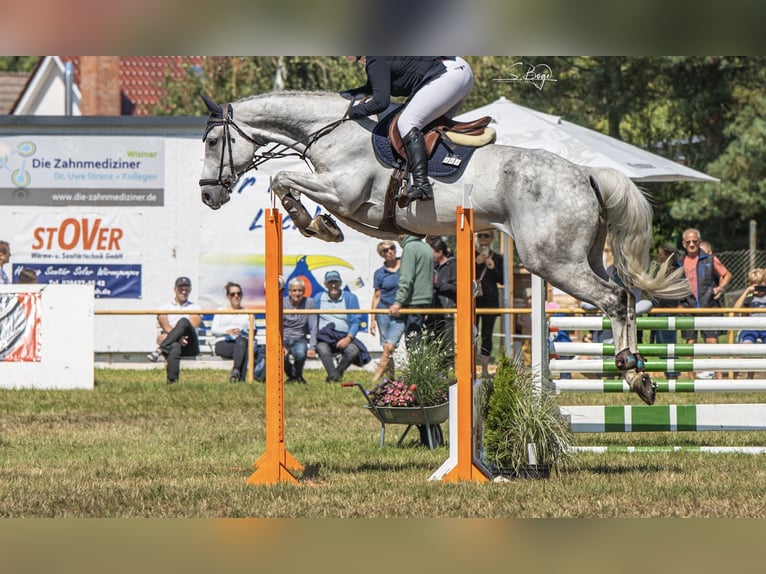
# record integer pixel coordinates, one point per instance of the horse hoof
(297, 212)
(642, 384)
(323, 227)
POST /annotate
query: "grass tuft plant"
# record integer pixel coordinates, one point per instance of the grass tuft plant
(519, 415)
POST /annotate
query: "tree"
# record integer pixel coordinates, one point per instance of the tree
(18, 63)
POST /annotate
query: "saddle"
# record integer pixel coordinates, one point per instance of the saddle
(449, 130)
(449, 146)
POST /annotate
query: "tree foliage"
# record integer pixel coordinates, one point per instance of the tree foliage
(18, 63)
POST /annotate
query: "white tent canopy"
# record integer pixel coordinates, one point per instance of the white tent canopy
(524, 127)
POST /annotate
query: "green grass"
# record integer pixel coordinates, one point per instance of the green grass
(134, 447)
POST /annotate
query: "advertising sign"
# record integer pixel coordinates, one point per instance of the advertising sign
(103, 250)
(83, 170)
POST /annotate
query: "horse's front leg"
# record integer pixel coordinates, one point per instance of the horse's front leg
(628, 358)
(320, 188)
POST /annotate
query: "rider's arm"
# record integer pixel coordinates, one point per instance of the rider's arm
(379, 79)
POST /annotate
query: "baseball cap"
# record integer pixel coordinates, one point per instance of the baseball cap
(183, 281)
(331, 276)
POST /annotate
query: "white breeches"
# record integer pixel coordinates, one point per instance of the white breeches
(442, 96)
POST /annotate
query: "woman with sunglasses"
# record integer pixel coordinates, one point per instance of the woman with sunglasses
(229, 331)
(385, 282)
(489, 273)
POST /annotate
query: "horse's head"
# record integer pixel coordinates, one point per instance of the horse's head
(229, 153)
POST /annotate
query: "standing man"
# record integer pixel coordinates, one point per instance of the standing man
(5, 255)
(337, 331)
(178, 336)
(416, 282)
(445, 293)
(707, 278)
(299, 331)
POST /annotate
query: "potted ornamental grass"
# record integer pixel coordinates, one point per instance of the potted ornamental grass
(524, 434)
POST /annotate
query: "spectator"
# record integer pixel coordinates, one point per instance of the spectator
(754, 296)
(231, 333)
(5, 255)
(299, 333)
(178, 335)
(489, 273)
(385, 283)
(707, 278)
(27, 275)
(336, 333)
(416, 283)
(445, 294)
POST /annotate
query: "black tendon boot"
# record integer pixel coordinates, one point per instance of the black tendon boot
(415, 146)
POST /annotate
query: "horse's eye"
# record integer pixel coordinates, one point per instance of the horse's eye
(212, 142)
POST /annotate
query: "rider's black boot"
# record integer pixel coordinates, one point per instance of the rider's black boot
(415, 146)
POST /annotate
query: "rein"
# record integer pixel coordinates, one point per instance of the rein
(276, 151)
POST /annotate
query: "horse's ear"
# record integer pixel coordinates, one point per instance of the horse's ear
(215, 109)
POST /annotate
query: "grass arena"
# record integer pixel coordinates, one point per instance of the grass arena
(136, 447)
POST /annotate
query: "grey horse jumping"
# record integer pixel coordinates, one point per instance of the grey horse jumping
(559, 214)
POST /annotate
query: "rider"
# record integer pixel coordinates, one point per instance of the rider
(434, 86)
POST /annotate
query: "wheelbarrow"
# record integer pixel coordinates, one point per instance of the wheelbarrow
(427, 419)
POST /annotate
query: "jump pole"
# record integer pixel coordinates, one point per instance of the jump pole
(462, 465)
(275, 464)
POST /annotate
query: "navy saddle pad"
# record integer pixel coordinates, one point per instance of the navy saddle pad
(436, 163)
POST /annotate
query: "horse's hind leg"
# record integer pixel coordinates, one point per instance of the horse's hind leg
(580, 281)
(627, 358)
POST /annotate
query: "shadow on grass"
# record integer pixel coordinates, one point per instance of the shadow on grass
(626, 469)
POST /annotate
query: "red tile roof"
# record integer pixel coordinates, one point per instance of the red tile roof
(11, 86)
(142, 78)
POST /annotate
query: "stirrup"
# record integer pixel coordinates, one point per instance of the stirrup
(419, 194)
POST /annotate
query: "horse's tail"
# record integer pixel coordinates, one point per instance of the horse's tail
(629, 223)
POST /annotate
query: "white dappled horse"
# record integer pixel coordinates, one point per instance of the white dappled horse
(559, 214)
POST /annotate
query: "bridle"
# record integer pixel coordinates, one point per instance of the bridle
(226, 120)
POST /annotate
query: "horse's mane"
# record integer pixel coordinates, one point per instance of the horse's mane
(291, 94)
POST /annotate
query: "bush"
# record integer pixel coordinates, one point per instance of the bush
(517, 415)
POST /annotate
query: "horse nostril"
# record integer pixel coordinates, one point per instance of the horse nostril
(206, 198)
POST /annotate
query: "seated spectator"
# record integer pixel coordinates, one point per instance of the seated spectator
(299, 331)
(336, 333)
(178, 333)
(230, 333)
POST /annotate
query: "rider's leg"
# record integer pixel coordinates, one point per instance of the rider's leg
(415, 146)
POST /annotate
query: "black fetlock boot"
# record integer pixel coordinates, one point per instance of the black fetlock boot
(415, 147)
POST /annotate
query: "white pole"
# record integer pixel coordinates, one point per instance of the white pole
(539, 333)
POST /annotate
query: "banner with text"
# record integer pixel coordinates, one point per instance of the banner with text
(82, 170)
(91, 248)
